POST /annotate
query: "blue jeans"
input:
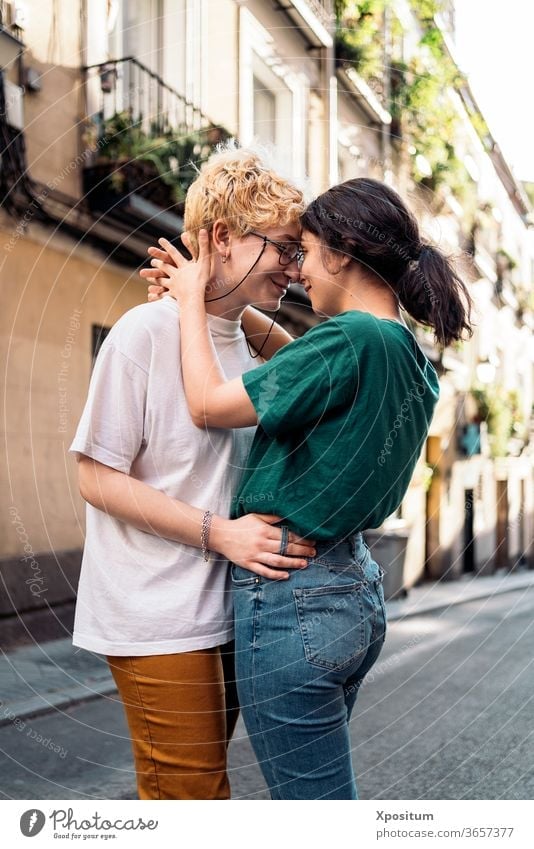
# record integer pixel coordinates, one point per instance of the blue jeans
(303, 648)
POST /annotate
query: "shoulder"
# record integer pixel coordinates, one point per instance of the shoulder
(146, 318)
(137, 333)
(366, 329)
(352, 329)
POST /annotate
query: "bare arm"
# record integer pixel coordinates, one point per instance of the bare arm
(250, 541)
(257, 327)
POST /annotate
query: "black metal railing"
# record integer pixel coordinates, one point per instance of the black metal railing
(143, 135)
(6, 20)
(127, 86)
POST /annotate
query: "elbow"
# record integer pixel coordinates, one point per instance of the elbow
(199, 416)
(88, 485)
(199, 420)
(85, 489)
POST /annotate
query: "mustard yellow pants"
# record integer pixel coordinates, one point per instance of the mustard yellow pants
(181, 711)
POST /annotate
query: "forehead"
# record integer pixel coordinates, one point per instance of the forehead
(308, 238)
(285, 232)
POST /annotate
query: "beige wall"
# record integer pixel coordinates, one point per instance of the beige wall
(221, 81)
(52, 293)
(51, 116)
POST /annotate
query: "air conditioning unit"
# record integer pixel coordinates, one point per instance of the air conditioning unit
(14, 104)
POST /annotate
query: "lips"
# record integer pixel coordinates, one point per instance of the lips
(282, 289)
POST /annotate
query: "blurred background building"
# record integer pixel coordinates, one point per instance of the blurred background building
(103, 105)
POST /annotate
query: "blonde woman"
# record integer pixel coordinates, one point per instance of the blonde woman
(147, 598)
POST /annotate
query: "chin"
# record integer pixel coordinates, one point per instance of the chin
(269, 304)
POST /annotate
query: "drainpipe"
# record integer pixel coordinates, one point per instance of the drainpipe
(385, 138)
(331, 122)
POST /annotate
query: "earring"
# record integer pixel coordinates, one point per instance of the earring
(224, 258)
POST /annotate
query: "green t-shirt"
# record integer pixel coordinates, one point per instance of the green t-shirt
(343, 414)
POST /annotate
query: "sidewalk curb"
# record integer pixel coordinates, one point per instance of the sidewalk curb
(39, 705)
(394, 614)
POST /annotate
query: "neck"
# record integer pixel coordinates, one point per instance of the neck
(378, 301)
(229, 307)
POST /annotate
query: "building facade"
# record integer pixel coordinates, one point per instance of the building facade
(105, 102)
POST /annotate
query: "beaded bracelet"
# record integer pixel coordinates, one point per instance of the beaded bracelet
(205, 533)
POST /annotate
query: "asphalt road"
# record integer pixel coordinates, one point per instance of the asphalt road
(446, 713)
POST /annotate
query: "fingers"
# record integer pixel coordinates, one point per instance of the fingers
(272, 544)
(300, 540)
(156, 292)
(280, 561)
(271, 574)
(165, 270)
(267, 517)
(204, 249)
(157, 253)
(297, 550)
(173, 252)
(265, 572)
(283, 562)
(149, 273)
(186, 241)
(272, 566)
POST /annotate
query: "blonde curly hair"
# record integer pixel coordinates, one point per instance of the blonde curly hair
(240, 186)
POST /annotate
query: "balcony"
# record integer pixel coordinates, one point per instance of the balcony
(142, 142)
(11, 44)
(315, 17)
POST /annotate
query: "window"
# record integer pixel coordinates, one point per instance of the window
(98, 334)
(264, 112)
(273, 97)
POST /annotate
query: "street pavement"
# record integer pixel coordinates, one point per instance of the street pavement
(444, 714)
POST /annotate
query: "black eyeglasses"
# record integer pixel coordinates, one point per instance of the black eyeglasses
(288, 251)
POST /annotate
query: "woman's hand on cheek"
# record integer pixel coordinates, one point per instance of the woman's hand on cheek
(187, 279)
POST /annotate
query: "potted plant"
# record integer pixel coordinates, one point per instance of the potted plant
(156, 164)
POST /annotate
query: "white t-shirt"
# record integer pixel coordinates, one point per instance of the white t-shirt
(140, 594)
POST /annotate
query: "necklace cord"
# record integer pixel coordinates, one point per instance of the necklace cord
(221, 297)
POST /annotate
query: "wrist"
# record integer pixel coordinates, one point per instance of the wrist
(218, 540)
(194, 298)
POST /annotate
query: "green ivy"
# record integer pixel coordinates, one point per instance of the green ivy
(501, 409)
(420, 106)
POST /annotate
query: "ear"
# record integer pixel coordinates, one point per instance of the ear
(337, 261)
(343, 261)
(220, 236)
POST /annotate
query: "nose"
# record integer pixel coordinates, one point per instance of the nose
(292, 272)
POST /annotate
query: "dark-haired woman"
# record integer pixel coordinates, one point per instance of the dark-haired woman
(343, 414)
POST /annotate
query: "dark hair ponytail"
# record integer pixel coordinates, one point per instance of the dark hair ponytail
(429, 291)
(369, 222)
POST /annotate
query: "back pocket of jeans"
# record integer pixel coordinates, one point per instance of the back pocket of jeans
(332, 624)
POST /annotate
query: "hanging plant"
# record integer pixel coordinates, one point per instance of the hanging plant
(423, 115)
(357, 38)
(160, 163)
(501, 409)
